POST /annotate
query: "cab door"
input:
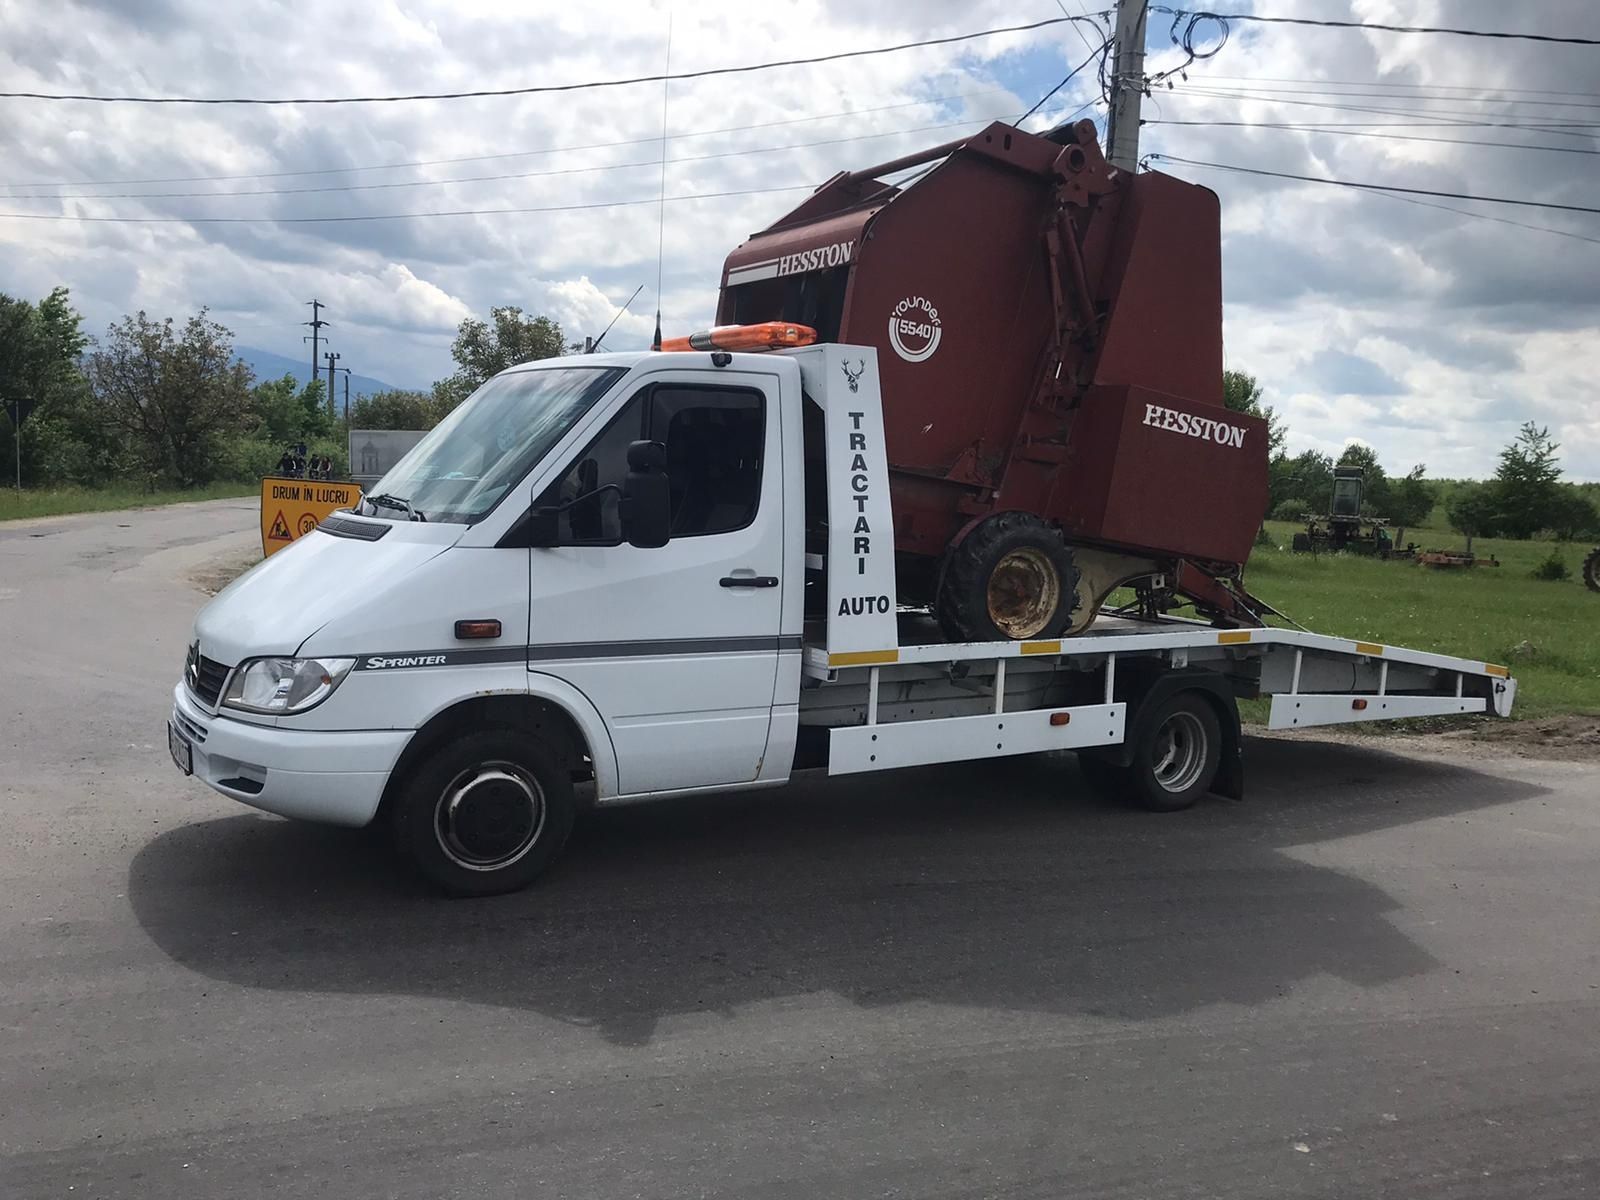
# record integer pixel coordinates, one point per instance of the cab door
(676, 646)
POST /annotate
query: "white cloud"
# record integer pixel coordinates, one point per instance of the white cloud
(1480, 325)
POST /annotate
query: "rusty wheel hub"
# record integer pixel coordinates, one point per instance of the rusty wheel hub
(1024, 592)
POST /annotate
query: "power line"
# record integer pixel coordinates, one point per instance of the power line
(1438, 87)
(1559, 127)
(459, 212)
(436, 162)
(1566, 233)
(1070, 75)
(1393, 137)
(1376, 187)
(1196, 16)
(408, 183)
(544, 89)
(1268, 92)
(440, 162)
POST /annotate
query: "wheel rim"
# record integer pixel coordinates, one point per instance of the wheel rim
(490, 816)
(1179, 754)
(1024, 592)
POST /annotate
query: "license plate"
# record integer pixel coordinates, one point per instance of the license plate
(182, 751)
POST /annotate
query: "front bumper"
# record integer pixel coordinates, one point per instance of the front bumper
(336, 778)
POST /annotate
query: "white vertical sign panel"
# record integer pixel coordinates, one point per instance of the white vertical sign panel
(843, 380)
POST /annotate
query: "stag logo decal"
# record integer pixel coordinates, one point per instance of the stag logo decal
(914, 329)
(854, 377)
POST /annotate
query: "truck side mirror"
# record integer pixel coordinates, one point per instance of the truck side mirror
(646, 508)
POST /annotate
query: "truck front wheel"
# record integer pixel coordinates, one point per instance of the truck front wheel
(486, 813)
(1010, 579)
(1174, 759)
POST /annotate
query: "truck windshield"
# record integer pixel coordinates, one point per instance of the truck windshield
(471, 458)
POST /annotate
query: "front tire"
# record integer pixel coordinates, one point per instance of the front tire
(485, 814)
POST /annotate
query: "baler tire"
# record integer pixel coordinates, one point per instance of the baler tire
(1301, 543)
(963, 605)
(1591, 570)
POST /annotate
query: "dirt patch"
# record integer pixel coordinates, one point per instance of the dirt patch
(211, 577)
(1566, 738)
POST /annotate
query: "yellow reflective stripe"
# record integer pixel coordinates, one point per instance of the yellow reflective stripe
(1233, 637)
(1041, 647)
(863, 658)
(1368, 648)
(1497, 669)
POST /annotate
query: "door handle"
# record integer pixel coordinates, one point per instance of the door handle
(749, 581)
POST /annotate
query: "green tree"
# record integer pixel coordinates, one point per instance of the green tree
(1242, 394)
(40, 348)
(286, 412)
(176, 395)
(1474, 511)
(1410, 499)
(1309, 479)
(1527, 482)
(1573, 515)
(397, 409)
(483, 349)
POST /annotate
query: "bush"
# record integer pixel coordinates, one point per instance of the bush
(1291, 510)
(247, 459)
(1552, 569)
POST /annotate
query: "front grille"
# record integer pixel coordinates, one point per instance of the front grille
(205, 676)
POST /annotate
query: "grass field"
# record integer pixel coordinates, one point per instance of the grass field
(1547, 632)
(55, 502)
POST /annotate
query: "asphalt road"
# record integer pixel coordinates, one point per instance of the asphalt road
(1377, 976)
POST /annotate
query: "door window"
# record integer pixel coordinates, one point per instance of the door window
(714, 438)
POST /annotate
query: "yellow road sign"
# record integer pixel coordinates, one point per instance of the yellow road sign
(291, 508)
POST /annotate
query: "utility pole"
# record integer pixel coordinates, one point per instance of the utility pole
(346, 372)
(316, 324)
(18, 408)
(1127, 85)
(331, 359)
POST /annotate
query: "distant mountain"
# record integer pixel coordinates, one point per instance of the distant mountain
(268, 365)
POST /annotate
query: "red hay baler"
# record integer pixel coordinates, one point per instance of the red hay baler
(1049, 332)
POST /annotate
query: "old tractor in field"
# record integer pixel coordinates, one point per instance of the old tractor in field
(1344, 528)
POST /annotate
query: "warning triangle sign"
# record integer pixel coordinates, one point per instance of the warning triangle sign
(280, 529)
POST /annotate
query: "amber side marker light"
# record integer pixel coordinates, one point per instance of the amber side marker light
(467, 630)
(1060, 718)
(1358, 705)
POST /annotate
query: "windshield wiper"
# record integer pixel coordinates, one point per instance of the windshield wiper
(396, 502)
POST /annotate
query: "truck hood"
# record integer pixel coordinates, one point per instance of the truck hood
(276, 605)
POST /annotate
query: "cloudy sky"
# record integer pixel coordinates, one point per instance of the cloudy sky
(1430, 333)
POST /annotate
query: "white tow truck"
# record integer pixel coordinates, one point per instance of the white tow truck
(597, 571)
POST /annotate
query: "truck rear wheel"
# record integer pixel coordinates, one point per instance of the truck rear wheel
(1010, 579)
(486, 813)
(1174, 762)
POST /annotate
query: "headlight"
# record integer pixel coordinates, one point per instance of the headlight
(285, 685)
